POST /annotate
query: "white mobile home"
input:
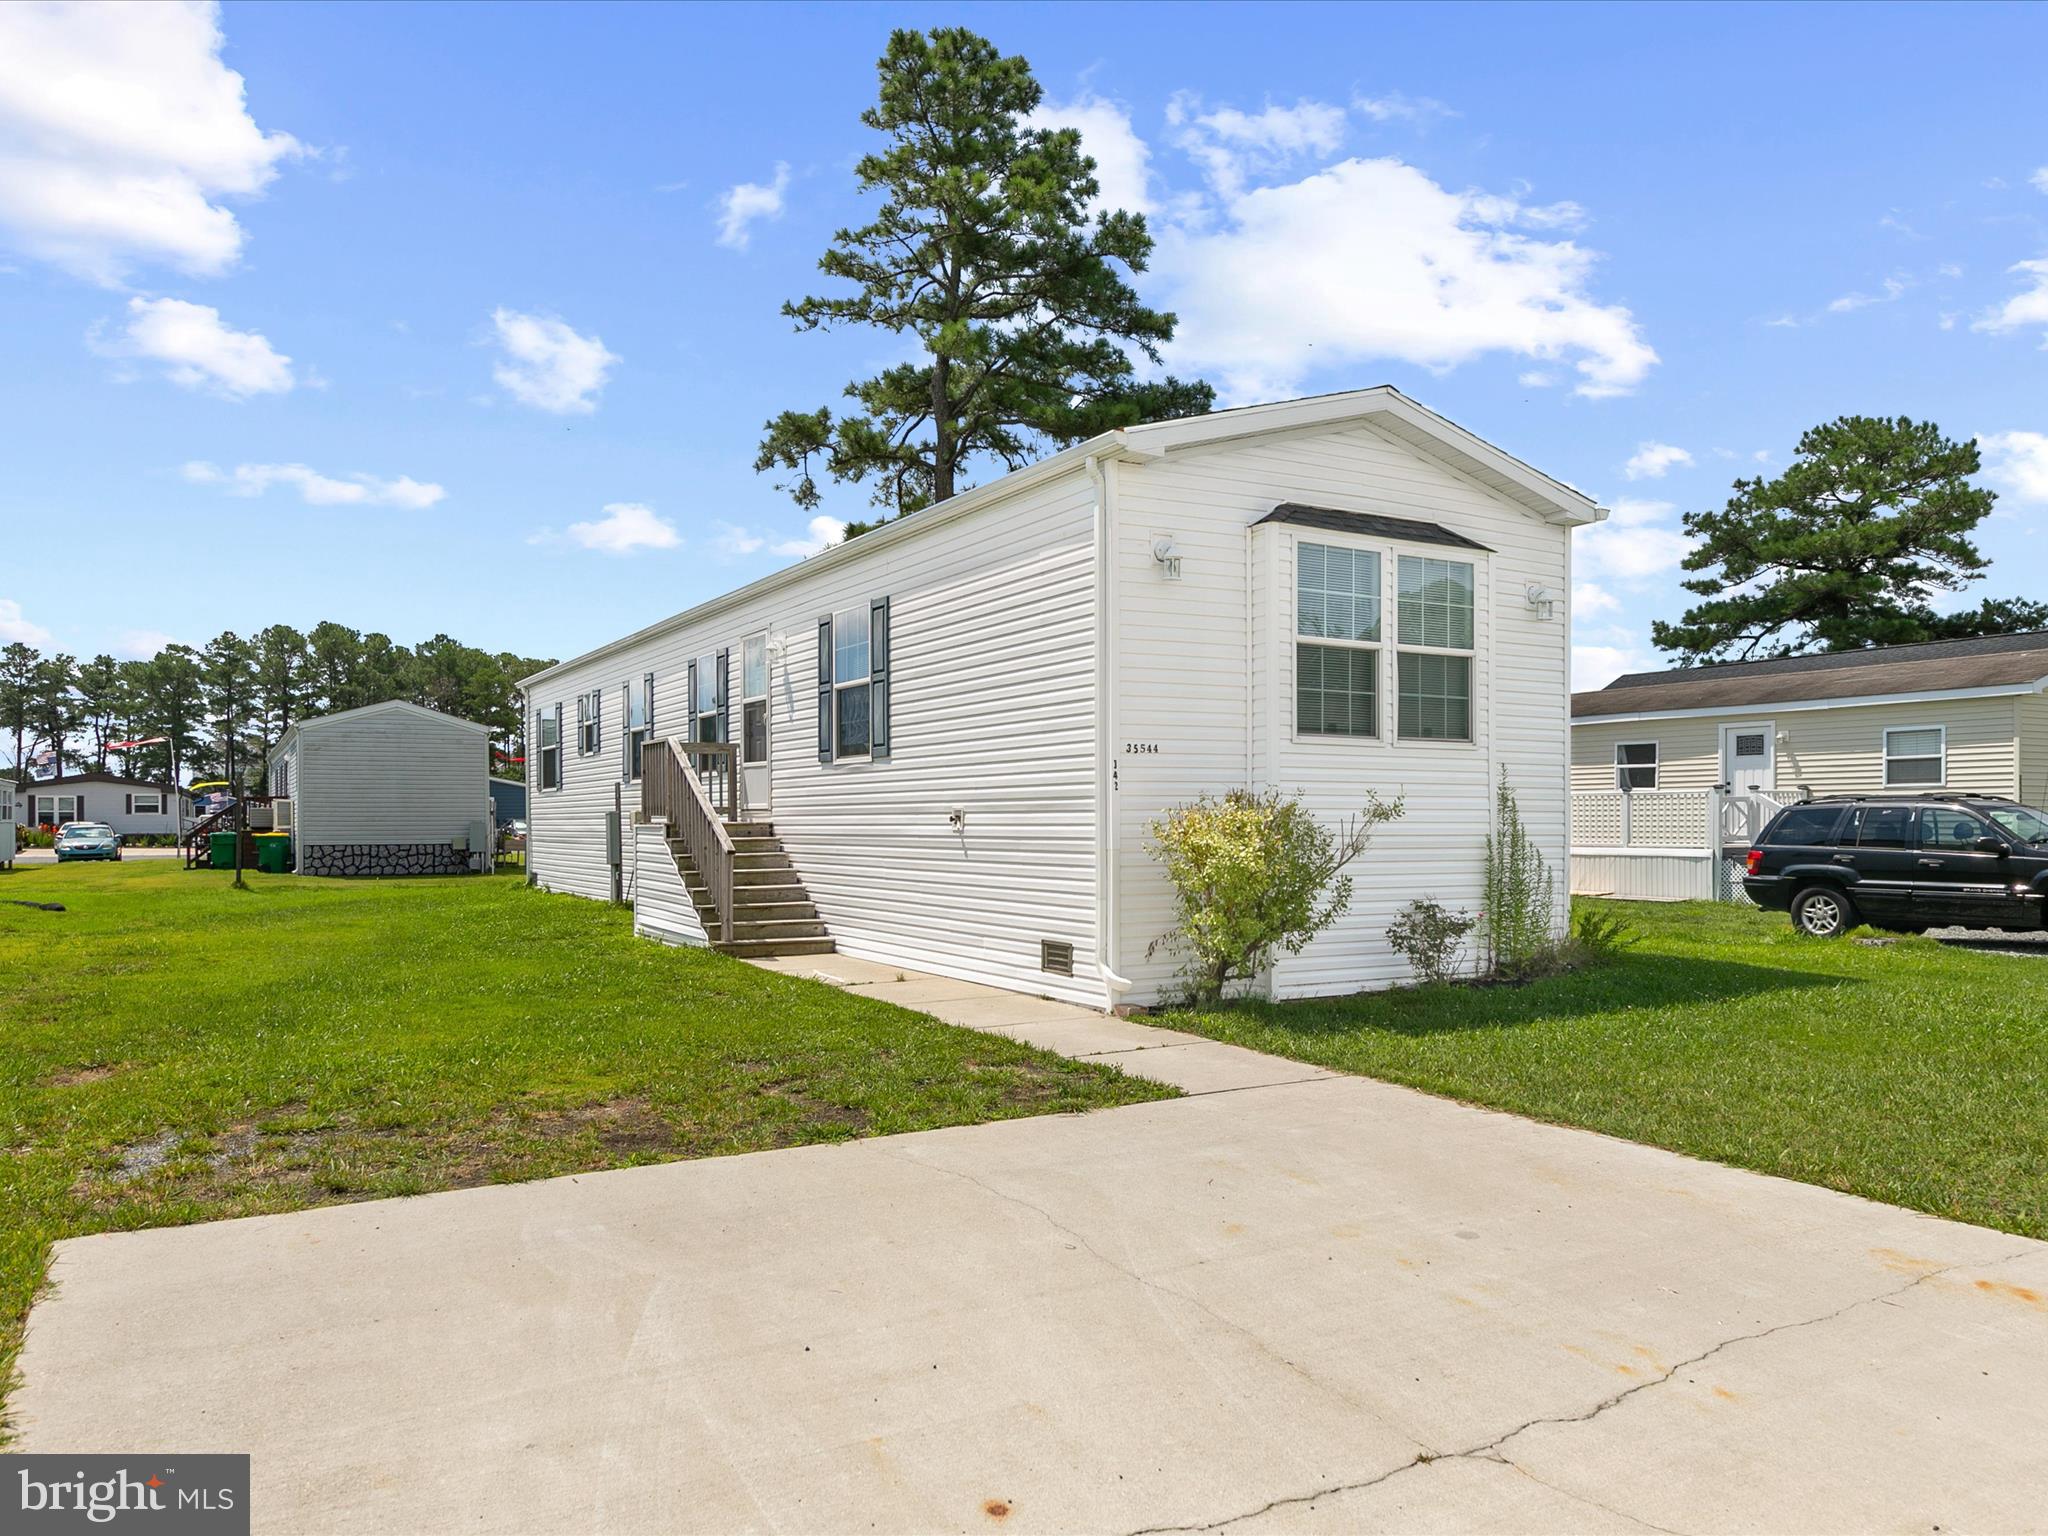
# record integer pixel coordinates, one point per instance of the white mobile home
(954, 731)
(132, 807)
(388, 789)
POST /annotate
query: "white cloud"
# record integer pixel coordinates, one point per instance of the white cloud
(197, 349)
(1537, 378)
(141, 644)
(2018, 463)
(1590, 597)
(547, 365)
(819, 534)
(316, 489)
(1382, 262)
(123, 134)
(1595, 666)
(15, 626)
(1652, 461)
(736, 542)
(1894, 290)
(1123, 161)
(1396, 107)
(1637, 543)
(1231, 145)
(625, 527)
(741, 206)
(2039, 180)
(2027, 308)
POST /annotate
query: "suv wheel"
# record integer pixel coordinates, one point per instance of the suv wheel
(1823, 912)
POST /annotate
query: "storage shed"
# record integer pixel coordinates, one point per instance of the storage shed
(389, 789)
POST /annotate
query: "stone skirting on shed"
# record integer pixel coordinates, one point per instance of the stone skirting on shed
(383, 859)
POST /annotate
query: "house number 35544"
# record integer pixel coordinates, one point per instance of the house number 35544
(1140, 748)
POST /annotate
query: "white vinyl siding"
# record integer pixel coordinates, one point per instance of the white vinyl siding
(1208, 676)
(389, 775)
(991, 672)
(2031, 715)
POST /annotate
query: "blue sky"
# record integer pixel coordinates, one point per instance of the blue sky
(464, 319)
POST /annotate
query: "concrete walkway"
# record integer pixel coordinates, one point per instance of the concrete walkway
(1291, 1300)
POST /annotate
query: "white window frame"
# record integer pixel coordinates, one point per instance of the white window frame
(551, 716)
(155, 808)
(748, 697)
(1375, 647)
(639, 699)
(842, 685)
(1403, 645)
(1622, 769)
(1889, 757)
(706, 673)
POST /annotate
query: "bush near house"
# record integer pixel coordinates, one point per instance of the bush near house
(1904, 1070)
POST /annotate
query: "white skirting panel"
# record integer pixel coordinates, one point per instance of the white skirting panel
(662, 908)
(1644, 874)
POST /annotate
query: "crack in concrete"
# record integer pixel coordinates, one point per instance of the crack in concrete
(1490, 1450)
(1227, 1323)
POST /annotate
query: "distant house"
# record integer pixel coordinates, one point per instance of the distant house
(132, 807)
(389, 789)
(1966, 715)
(952, 733)
(1674, 773)
(508, 799)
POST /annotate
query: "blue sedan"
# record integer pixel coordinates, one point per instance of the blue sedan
(87, 840)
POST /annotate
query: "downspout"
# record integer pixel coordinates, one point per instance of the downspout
(1105, 737)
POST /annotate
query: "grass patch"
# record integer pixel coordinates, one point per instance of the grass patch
(1911, 1072)
(172, 1050)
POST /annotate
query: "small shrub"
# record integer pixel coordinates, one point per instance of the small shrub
(1431, 938)
(1519, 910)
(1252, 874)
(1599, 936)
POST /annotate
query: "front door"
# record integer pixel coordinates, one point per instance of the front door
(755, 779)
(1749, 760)
(1957, 882)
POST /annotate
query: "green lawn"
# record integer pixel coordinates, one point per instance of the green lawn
(172, 1050)
(1911, 1073)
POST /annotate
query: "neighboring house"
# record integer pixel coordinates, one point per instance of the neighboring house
(955, 730)
(1967, 715)
(132, 807)
(389, 789)
(1705, 752)
(508, 800)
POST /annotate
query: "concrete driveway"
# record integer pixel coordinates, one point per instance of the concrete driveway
(1289, 1301)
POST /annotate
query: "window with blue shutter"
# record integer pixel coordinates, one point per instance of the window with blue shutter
(878, 677)
(825, 689)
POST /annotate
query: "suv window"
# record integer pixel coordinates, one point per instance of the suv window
(1804, 825)
(1879, 826)
(1943, 826)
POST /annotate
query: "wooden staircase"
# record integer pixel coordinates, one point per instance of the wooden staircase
(772, 912)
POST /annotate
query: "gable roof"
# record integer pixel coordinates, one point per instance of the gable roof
(1381, 406)
(38, 785)
(386, 707)
(1989, 664)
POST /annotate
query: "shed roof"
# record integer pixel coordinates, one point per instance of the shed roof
(1995, 663)
(1369, 524)
(386, 707)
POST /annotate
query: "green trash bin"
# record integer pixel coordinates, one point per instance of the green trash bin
(273, 851)
(222, 846)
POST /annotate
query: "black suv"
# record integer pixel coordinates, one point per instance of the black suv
(1907, 863)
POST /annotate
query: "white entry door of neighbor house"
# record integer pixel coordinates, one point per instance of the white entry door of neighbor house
(1749, 757)
(755, 781)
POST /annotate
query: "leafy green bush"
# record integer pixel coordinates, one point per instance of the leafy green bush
(1598, 936)
(1253, 874)
(1519, 908)
(1431, 938)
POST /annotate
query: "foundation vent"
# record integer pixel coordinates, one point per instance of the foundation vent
(1056, 956)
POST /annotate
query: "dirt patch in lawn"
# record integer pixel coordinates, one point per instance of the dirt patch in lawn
(78, 1077)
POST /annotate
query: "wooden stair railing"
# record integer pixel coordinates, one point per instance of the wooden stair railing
(671, 791)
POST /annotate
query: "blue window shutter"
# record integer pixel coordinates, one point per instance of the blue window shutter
(650, 706)
(597, 719)
(724, 707)
(879, 675)
(825, 689)
(626, 731)
(690, 720)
